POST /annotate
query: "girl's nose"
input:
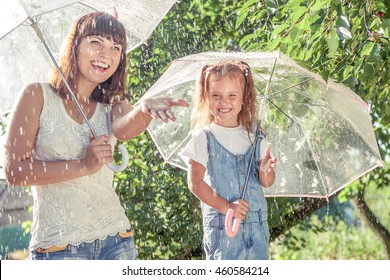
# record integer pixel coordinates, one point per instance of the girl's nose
(223, 100)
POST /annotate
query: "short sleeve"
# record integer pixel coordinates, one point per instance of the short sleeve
(196, 148)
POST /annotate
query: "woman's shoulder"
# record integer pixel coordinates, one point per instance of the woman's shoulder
(37, 89)
(31, 94)
(33, 88)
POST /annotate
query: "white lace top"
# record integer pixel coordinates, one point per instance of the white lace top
(79, 210)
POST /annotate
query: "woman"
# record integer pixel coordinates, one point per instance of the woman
(76, 212)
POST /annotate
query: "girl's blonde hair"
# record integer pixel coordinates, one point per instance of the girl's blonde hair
(92, 24)
(237, 71)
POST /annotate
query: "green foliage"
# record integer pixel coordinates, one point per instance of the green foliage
(164, 212)
(328, 240)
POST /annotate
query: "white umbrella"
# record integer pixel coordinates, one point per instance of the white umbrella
(321, 132)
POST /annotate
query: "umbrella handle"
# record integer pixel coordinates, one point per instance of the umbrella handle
(231, 231)
(125, 160)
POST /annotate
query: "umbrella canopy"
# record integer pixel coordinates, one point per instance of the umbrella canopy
(321, 132)
(23, 58)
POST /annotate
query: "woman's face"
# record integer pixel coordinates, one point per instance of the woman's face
(225, 101)
(97, 58)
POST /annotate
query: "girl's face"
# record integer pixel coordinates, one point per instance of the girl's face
(225, 101)
(97, 58)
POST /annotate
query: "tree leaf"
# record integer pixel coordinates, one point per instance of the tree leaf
(297, 14)
(368, 48)
(344, 33)
(333, 42)
(280, 28)
(318, 5)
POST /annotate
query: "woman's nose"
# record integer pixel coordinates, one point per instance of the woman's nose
(102, 51)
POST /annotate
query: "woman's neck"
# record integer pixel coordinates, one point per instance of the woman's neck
(83, 90)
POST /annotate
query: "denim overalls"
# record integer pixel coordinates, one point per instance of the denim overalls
(226, 174)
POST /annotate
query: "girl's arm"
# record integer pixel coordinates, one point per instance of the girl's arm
(206, 194)
(267, 169)
(129, 121)
(20, 167)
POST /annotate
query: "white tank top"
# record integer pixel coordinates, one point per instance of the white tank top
(82, 209)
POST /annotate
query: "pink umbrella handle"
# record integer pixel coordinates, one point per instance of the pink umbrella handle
(231, 231)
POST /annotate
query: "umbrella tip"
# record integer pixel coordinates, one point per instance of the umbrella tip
(115, 13)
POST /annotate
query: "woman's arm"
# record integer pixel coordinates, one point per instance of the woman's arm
(129, 121)
(20, 167)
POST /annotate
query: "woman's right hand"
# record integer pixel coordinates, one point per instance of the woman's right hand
(240, 207)
(98, 153)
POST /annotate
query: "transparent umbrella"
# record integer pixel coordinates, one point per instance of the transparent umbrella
(32, 31)
(321, 132)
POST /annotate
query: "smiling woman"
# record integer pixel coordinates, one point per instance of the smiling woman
(76, 212)
(102, 54)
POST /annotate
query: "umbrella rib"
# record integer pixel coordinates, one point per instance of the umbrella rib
(302, 82)
(315, 162)
(284, 113)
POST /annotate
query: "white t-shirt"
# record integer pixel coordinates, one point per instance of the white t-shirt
(234, 139)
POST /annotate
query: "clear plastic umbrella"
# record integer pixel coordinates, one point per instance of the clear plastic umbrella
(321, 132)
(32, 31)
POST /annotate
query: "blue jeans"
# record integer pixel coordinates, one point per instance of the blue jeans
(111, 248)
(250, 243)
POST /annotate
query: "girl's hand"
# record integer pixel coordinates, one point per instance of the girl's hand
(160, 108)
(98, 154)
(240, 208)
(266, 169)
(268, 163)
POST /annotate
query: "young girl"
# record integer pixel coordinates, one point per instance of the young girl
(218, 157)
(76, 212)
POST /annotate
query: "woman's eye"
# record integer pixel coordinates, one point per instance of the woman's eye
(97, 43)
(116, 48)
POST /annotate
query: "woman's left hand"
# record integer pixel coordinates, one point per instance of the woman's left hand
(160, 108)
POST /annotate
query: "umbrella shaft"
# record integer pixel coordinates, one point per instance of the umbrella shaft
(35, 26)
